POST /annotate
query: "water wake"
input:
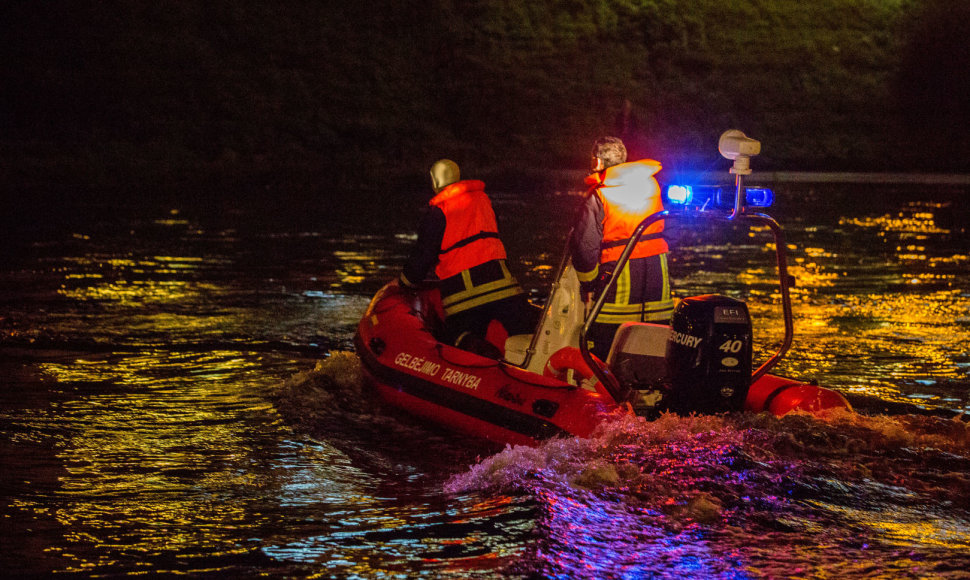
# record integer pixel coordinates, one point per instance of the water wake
(671, 459)
(715, 496)
(684, 495)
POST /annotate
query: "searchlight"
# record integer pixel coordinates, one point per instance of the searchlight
(740, 148)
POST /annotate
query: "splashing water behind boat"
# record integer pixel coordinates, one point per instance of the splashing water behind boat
(675, 495)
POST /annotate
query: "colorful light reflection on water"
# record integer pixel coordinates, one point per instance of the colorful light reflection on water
(870, 316)
(146, 430)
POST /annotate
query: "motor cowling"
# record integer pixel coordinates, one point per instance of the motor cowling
(709, 355)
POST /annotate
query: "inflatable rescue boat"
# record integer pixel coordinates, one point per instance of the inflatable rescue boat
(548, 384)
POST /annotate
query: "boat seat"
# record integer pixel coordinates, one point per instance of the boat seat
(516, 346)
(638, 354)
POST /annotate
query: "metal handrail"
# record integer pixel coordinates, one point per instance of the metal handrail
(621, 393)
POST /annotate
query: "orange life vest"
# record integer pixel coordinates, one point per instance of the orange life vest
(471, 233)
(629, 193)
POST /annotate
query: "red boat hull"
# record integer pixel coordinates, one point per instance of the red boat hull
(412, 370)
(781, 395)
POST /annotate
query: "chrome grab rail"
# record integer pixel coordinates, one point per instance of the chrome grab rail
(622, 393)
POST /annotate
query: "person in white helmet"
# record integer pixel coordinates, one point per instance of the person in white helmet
(458, 241)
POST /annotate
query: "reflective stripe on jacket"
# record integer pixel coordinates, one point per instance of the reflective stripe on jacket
(626, 302)
(471, 233)
(476, 286)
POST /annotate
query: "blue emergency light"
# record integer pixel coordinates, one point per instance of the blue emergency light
(715, 196)
(753, 197)
(680, 194)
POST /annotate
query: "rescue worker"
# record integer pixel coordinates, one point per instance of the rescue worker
(458, 240)
(621, 195)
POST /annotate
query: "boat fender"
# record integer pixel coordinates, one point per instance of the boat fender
(781, 398)
(567, 365)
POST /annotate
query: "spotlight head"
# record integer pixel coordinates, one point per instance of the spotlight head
(738, 147)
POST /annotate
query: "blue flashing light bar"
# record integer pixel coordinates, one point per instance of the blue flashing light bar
(713, 196)
(759, 196)
(680, 194)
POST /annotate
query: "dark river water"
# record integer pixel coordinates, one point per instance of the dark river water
(179, 396)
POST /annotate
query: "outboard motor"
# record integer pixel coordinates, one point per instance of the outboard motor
(709, 355)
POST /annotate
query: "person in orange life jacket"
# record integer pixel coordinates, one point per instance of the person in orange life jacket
(622, 194)
(458, 241)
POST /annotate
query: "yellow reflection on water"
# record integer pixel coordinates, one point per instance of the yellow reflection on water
(907, 527)
(172, 221)
(140, 291)
(913, 340)
(118, 287)
(812, 275)
(915, 218)
(897, 345)
(180, 262)
(355, 267)
(152, 455)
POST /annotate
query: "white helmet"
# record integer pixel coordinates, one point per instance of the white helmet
(444, 172)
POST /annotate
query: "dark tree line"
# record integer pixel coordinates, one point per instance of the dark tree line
(391, 84)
